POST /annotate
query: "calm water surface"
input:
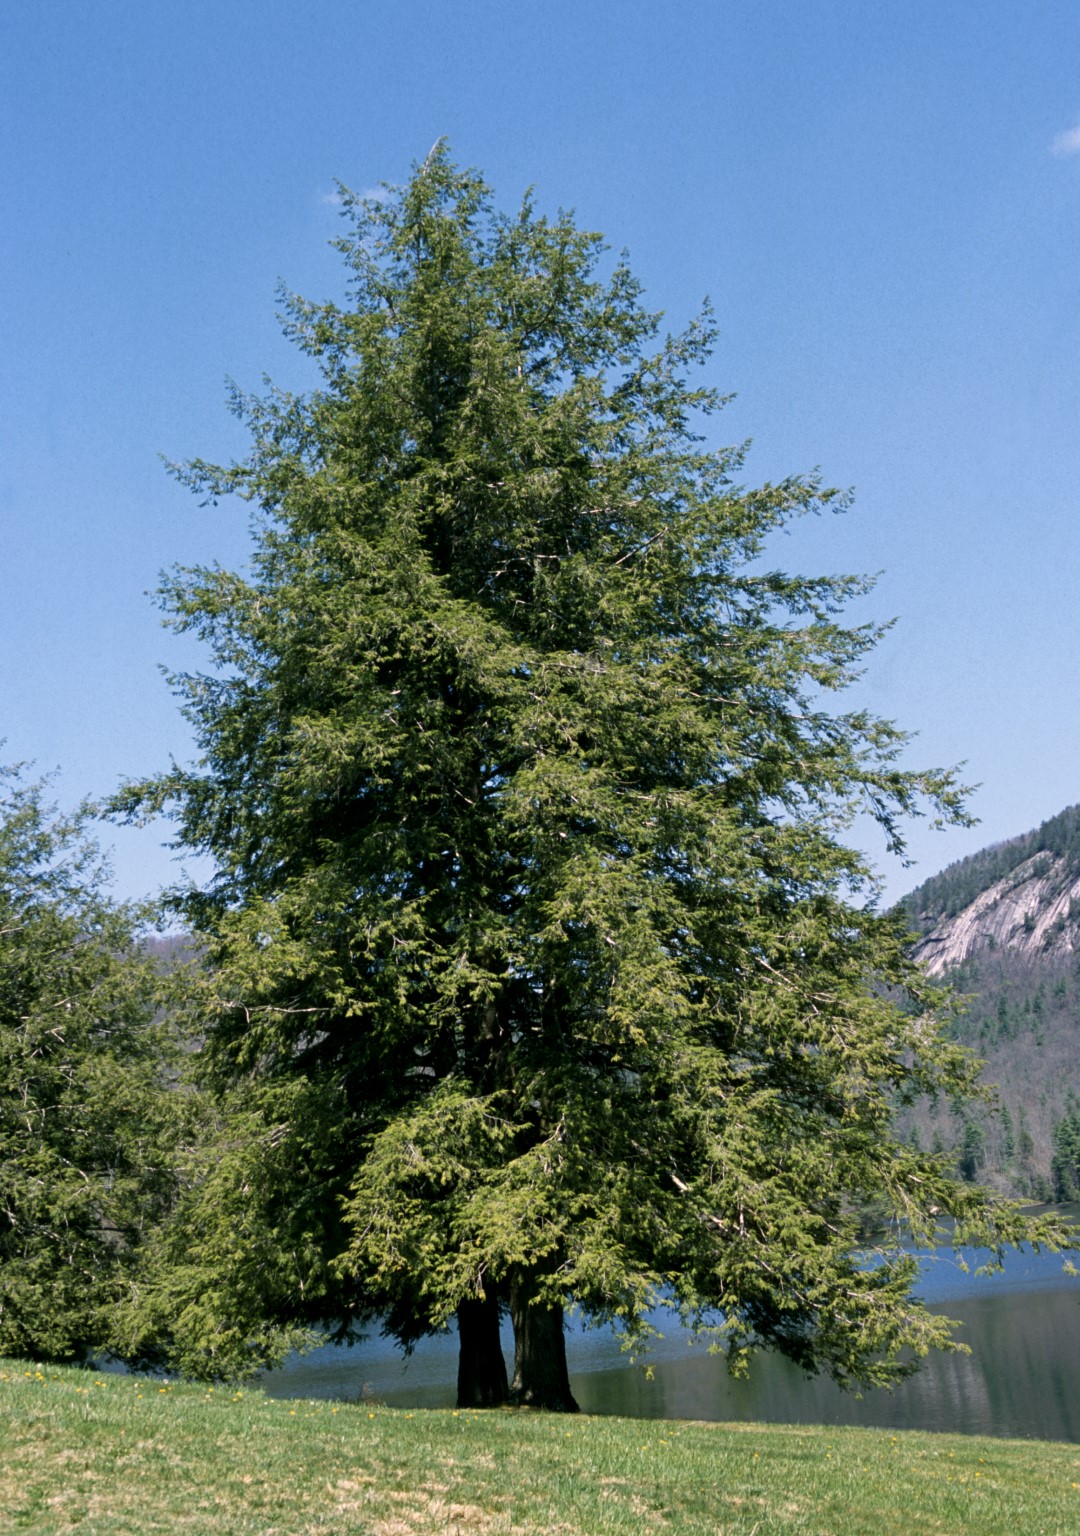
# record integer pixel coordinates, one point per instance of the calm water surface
(1022, 1377)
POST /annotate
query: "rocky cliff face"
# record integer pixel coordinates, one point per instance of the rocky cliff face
(1034, 910)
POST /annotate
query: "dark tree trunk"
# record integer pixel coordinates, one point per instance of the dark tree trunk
(481, 1381)
(541, 1379)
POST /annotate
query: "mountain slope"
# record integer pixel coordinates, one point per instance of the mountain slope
(1003, 927)
(1023, 893)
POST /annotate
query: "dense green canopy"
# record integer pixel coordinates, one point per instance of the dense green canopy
(88, 1128)
(526, 795)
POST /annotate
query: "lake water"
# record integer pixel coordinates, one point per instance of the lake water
(1022, 1377)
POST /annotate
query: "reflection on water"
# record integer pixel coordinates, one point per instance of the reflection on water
(1022, 1377)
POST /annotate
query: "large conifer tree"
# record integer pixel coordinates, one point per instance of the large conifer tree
(526, 798)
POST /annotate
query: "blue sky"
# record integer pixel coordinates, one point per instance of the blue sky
(883, 203)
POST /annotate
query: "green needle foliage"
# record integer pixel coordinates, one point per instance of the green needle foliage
(88, 1124)
(526, 795)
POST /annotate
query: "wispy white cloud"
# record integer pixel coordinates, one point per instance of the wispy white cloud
(1067, 143)
(333, 198)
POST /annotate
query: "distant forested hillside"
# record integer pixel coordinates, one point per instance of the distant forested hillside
(1023, 1018)
(168, 948)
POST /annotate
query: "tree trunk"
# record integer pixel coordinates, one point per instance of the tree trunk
(541, 1379)
(481, 1381)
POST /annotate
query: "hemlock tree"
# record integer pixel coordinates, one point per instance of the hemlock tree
(527, 803)
(87, 1119)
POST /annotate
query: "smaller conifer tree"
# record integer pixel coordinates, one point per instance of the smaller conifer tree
(88, 1124)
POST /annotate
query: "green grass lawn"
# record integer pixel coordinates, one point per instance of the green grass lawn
(90, 1453)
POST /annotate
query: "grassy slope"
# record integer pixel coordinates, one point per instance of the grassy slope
(107, 1454)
